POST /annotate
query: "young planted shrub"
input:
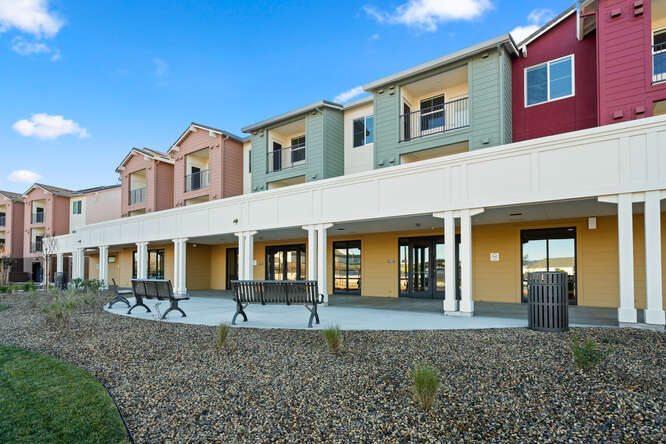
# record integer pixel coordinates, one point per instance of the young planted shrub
(60, 309)
(4, 289)
(29, 286)
(426, 383)
(586, 354)
(333, 337)
(221, 333)
(77, 283)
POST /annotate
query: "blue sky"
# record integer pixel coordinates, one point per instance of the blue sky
(81, 82)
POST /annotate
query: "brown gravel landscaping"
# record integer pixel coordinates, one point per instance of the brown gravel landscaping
(173, 384)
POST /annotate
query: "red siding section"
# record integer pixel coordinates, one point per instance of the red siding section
(624, 47)
(560, 116)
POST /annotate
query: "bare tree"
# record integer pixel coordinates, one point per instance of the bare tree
(49, 244)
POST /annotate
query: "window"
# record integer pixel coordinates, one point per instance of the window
(77, 207)
(363, 129)
(549, 81)
(347, 267)
(432, 113)
(249, 161)
(659, 55)
(297, 149)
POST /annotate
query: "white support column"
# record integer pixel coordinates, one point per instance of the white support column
(466, 302)
(626, 313)
(80, 262)
(241, 255)
(104, 266)
(249, 254)
(59, 263)
(180, 266)
(142, 260)
(654, 312)
(312, 252)
(450, 265)
(75, 267)
(321, 259)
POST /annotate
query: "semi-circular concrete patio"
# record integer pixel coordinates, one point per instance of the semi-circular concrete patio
(349, 313)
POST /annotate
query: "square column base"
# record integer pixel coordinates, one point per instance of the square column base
(627, 315)
(459, 314)
(450, 306)
(657, 317)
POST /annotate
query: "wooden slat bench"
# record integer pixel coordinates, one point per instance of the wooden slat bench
(155, 289)
(119, 295)
(276, 292)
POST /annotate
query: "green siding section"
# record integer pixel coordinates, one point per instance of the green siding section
(324, 150)
(489, 90)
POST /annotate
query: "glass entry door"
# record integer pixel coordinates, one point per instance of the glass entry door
(552, 249)
(232, 266)
(422, 268)
(285, 263)
(347, 267)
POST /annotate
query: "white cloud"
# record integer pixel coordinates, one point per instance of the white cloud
(25, 48)
(536, 19)
(346, 96)
(23, 176)
(427, 14)
(161, 70)
(374, 37)
(29, 16)
(45, 126)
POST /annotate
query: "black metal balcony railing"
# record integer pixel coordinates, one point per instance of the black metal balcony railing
(137, 196)
(197, 181)
(659, 62)
(2, 220)
(37, 246)
(288, 157)
(38, 218)
(434, 120)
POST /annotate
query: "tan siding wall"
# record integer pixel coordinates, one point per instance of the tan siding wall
(218, 264)
(198, 267)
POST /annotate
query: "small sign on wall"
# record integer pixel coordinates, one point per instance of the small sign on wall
(494, 257)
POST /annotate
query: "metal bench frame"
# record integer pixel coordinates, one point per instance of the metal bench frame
(118, 295)
(155, 289)
(276, 292)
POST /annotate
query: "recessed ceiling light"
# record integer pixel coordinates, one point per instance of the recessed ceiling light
(515, 214)
(340, 229)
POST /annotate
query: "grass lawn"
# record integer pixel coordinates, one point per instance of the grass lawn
(45, 400)
(3, 307)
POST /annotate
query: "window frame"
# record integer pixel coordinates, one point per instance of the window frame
(77, 207)
(365, 130)
(547, 65)
(653, 32)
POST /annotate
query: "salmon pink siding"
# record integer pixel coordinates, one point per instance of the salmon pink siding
(13, 227)
(56, 217)
(159, 184)
(560, 116)
(225, 164)
(624, 48)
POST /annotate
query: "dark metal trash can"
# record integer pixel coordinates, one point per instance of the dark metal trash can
(547, 301)
(60, 281)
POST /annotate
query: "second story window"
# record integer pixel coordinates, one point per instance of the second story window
(549, 81)
(363, 131)
(298, 149)
(659, 55)
(77, 207)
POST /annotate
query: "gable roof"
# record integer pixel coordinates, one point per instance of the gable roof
(98, 189)
(547, 27)
(195, 125)
(12, 196)
(505, 39)
(156, 155)
(288, 115)
(51, 190)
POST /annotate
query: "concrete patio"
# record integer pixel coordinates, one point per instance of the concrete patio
(360, 313)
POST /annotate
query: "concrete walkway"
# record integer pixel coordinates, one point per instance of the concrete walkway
(351, 313)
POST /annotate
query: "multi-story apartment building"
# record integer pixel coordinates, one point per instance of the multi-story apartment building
(146, 178)
(94, 205)
(420, 190)
(11, 231)
(208, 165)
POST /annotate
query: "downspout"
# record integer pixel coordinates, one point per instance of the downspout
(501, 92)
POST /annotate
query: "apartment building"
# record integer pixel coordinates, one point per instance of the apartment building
(11, 231)
(420, 189)
(147, 179)
(93, 205)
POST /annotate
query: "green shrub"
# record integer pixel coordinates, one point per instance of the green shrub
(60, 309)
(612, 340)
(4, 289)
(586, 354)
(29, 286)
(221, 333)
(77, 283)
(16, 288)
(426, 384)
(333, 337)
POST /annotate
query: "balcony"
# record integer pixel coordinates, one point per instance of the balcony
(658, 62)
(285, 158)
(37, 246)
(38, 218)
(137, 196)
(437, 118)
(197, 181)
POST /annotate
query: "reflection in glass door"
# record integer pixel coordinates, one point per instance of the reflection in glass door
(285, 263)
(347, 267)
(552, 249)
(422, 267)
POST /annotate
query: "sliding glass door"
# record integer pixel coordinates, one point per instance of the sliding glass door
(155, 264)
(347, 267)
(551, 249)
(285, 263)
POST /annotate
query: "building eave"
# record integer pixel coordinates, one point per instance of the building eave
(291, 114)
(198, 126)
